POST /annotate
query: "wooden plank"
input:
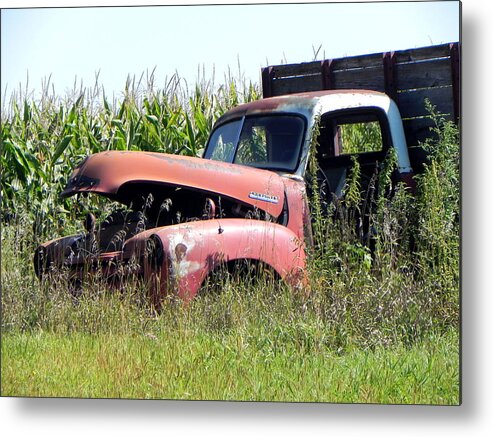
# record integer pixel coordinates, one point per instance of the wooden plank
(356, 62)
(296, 85)
(412, 103)
(421, 53)
(409, 76)
(371, 78)
(428, 74)
(290, 70)
(402, 56)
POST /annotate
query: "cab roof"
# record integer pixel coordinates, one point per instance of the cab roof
(309, 103)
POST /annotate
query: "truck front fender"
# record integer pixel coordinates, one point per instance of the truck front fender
(189, 252)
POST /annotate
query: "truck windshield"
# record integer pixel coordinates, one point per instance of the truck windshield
(270, 142)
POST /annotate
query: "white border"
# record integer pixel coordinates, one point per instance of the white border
(60, 417)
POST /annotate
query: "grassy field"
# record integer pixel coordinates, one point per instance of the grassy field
(249, 366)
(379, 326)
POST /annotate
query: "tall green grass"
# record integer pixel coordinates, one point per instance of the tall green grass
(233, 366)
(249, 342)
(385, 265)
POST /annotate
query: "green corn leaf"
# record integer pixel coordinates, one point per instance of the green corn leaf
(79, 100)
(122, 110)
(153, 119)
(106, 105)
(27, 113)
(34, 164)
(16, 161)
(62, 145)
(190, 134)
(120, 133)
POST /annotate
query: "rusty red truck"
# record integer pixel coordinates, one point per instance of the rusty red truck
(245, 199)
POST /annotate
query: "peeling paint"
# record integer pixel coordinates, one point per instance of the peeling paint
(180, 265)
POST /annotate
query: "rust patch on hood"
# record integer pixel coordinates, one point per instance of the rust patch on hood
(106, 172)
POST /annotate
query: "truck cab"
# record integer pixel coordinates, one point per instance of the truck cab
(276, 133)
(279, 134)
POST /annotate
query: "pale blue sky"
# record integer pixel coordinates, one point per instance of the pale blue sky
(118, 41)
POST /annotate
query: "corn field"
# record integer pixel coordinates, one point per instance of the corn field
(42, 140)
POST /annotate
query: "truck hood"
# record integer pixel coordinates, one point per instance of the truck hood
(106, 172)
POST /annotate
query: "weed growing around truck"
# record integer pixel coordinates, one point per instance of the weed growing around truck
(378, 325)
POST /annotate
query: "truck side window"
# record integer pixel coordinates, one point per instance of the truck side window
(359, 137)
(350, 133)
